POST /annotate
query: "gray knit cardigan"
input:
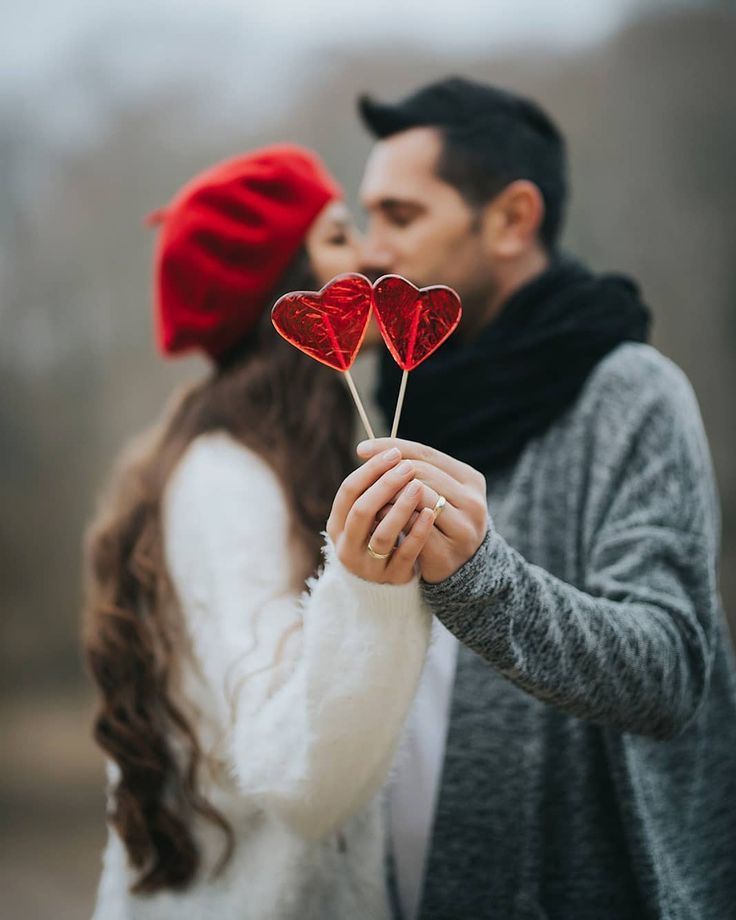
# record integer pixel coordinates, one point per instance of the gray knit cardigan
(590, 769)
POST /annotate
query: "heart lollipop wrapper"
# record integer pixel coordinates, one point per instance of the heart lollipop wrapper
(413, 322)
(329, 325)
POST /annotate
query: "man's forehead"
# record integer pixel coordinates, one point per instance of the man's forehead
(401, 165)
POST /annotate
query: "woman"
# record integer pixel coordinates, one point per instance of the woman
(249, 724)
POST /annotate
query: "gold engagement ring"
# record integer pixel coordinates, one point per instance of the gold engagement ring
(375, 555)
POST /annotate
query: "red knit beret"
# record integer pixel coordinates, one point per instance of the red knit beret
(226, 239)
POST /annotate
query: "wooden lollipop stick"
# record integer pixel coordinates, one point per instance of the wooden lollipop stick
(399, 404)
(359, 406)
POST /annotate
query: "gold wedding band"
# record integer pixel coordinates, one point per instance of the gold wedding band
(372, 552)
(437, 510)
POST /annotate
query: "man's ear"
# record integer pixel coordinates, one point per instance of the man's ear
(512, 220)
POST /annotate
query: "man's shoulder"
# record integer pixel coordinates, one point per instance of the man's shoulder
(637, 399)
(636, 367)
(635, 374)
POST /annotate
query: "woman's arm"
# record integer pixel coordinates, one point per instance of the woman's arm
(314, 689)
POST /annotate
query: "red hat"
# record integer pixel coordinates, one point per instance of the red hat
(226, 239)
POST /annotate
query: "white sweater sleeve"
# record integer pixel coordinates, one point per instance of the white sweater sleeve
(312, 690)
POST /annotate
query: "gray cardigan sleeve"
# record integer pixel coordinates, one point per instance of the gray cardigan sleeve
(631, 646)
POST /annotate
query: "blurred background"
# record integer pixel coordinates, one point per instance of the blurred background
(105, 109)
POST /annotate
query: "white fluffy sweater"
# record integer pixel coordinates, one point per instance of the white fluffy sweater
(298, 699)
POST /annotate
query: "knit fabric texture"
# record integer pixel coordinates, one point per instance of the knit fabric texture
(590, 769)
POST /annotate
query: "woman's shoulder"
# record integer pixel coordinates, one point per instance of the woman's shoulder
(218, 472)
(219, 451)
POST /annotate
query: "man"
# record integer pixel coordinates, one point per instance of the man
(584, 677)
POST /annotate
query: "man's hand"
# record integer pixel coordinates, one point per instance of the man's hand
(461, 526)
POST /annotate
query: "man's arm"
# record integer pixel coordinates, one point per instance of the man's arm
(630, 648)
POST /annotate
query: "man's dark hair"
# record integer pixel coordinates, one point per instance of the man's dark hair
(490, 138)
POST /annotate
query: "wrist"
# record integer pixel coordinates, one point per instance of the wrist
(467, 571)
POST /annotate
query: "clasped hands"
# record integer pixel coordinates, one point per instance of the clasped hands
(389, 503)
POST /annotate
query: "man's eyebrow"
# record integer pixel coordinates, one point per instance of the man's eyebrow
(393, 203)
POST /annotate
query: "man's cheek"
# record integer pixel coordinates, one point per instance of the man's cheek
(417, 253)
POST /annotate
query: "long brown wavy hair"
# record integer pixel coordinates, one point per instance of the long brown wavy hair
(297, 415)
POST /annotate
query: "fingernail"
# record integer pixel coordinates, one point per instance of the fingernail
(392, 454)
(406, 466)
(364, 447)
(413, 488)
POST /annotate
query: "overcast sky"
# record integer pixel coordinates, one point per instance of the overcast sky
(37, 34)
(65, 63)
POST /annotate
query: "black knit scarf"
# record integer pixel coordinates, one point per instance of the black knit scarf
(482, 401)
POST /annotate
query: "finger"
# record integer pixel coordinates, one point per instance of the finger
(447, 520)
(412, 521)
(441, 483)
(354, 485)
(362, 515)
(413, 450)
(386, 534)
(385, 510)
(466, 505)
(402, 563)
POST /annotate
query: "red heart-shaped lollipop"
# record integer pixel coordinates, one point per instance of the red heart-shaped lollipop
(414, 322)
(330, 325)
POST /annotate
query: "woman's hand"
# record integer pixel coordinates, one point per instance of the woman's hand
(353, 524)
